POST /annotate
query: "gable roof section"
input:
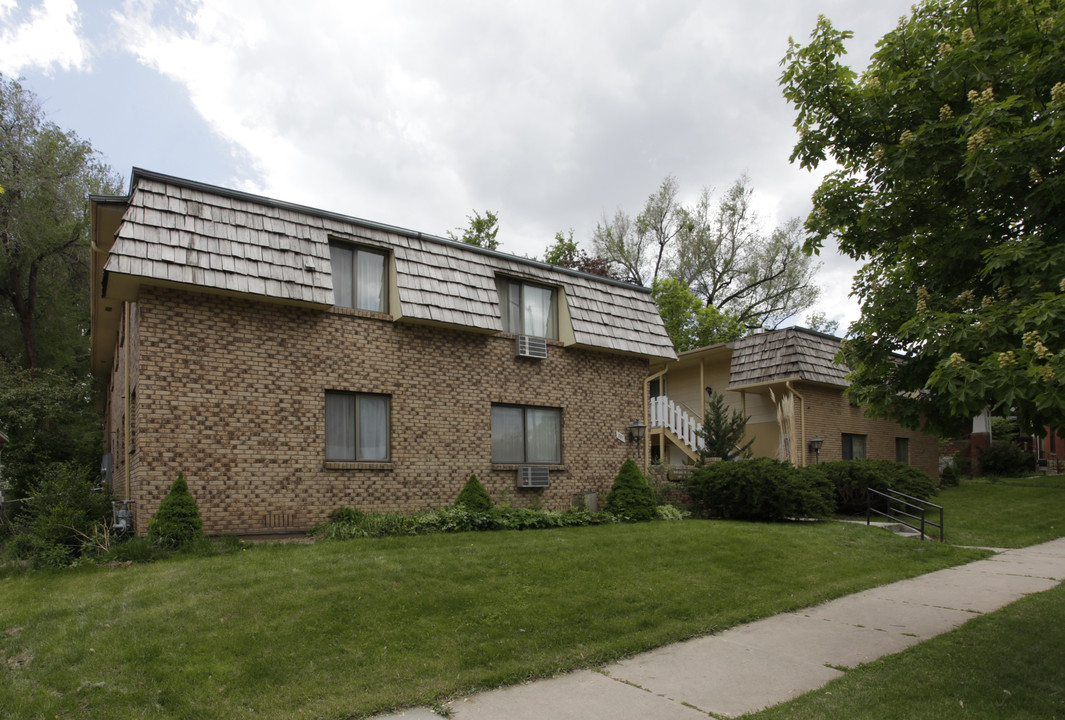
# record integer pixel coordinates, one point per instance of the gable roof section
(175, 231)
(788, 354)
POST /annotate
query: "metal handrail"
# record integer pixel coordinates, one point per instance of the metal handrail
(894, 496)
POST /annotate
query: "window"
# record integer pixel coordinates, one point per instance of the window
(528, 309)
(356, 427)
(853, 447)
(359, 279)
(902, 450)
(526, 434)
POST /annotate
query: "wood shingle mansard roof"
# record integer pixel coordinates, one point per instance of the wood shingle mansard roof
(178, 233)
(788, 354)
(774, 356)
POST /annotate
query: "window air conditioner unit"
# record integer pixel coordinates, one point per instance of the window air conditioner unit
(532, 347)
(534, 476)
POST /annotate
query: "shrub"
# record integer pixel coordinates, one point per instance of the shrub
(474, 497)
(134, 549)
(64, 506)
(1006, 459)
(949, 475)
(722, 432)
(668, 512)
(457, 518)
(631, 498)
(852, 479)
(760, 489)
(177, 523)
(346, 515)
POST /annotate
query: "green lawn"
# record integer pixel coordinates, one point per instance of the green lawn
(352, 628)
(1009, 664)
(1007, 513)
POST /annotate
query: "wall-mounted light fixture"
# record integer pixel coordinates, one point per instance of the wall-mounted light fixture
(815, 448)
(636, 432)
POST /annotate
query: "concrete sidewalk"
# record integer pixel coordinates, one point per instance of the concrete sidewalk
(767, 662)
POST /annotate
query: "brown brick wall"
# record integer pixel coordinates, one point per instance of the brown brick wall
(232, 393)
(114, 422)
(830, 414)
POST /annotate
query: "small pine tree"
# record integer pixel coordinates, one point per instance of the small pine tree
(474, 497)
(177, 522)
(631, 498)
(722, 432)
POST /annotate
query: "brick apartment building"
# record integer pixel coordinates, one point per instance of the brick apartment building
(290, 361)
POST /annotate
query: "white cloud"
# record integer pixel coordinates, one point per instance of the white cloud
(414, 113)
(46, 37)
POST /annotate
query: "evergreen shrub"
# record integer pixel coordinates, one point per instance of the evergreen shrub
(177, 523)
(760, 489)
(852, 479)
(65, 504)
(949, 476)
(631, 498)
(1006, 459)
(474, 497)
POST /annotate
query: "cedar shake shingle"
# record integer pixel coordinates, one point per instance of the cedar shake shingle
(791, 353)
(192, 234)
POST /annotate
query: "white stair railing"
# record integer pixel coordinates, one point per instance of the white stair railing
(666, 413)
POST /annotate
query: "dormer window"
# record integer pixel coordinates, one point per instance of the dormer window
(359, 277)
(527, 308)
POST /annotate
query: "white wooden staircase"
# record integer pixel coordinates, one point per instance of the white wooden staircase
(678, 423)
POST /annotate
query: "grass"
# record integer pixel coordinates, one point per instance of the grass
(1009, 664)
(1006, 513)
(353, 628)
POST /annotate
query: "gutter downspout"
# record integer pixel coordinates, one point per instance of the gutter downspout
(126, 423)
(802, 426)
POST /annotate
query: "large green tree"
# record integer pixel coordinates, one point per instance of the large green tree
(690, 323)
(949, 185)
(719, 250)
(46, 397)
(47, 174)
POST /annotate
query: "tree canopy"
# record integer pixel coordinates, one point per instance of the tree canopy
(47, 174)
(46, 395)
(481, 232)
(689, 322)
(949, 186)
(718, 250)
(567, 253)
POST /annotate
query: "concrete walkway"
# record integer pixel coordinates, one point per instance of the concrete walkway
(767, 662)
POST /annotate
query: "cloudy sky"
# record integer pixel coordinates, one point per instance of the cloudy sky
(415, 113)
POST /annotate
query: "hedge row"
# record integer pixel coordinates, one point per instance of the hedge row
(766, 489)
